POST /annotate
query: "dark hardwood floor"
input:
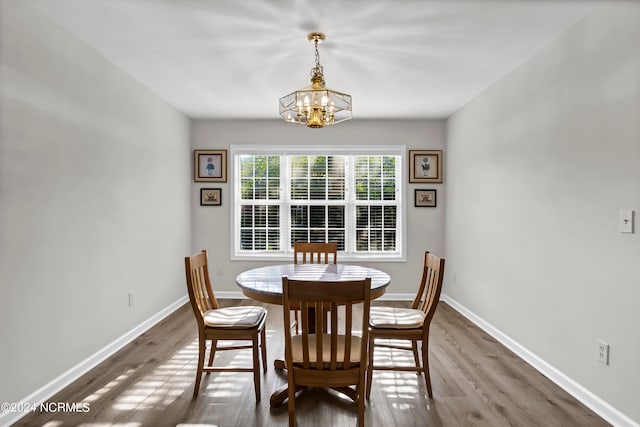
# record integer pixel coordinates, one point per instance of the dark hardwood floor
(476, 382)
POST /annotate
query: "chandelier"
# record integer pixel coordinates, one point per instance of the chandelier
(316, 106)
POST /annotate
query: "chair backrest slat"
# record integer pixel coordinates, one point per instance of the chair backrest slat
(333, 309)
(319, 341)
(347, 334)
(304, 308)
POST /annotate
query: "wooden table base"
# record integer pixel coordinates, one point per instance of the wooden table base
(279, 396)
(279, 365)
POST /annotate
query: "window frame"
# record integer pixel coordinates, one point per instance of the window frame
(286, 254)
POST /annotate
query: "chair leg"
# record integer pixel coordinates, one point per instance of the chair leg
(425, 365)
(263, 339)
(414, 347)
(370, 365)
(256, 367)
(297, 321)
(212, 353)
(202, 345)
(360, 395)
(291, 401)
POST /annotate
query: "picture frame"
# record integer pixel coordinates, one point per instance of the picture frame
(210, 196)
(210, 165)
(426, 198)
(425, 166)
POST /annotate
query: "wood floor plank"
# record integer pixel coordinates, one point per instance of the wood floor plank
(476, 382)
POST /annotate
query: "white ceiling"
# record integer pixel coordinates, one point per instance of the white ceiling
(236, 58)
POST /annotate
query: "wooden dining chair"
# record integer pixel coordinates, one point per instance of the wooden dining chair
(239, 323)
(412, 324)
(335, 357)
(313, 253)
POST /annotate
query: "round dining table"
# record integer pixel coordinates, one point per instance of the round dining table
(264, 284)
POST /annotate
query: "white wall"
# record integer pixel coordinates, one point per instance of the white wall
(94, 202)
(211, 224)
(540, 165)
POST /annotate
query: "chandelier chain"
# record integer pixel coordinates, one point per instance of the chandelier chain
(317, 70)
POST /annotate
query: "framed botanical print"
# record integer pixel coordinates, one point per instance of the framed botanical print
(210, 165)
(425, 198)
(210, 196)
(425, 166)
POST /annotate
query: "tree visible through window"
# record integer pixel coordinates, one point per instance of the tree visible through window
(260, 212)
(351, 199)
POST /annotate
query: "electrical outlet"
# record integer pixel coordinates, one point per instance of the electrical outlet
(603, 352)
(130, 299)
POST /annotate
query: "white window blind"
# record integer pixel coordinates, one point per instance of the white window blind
(351, 197)
(259, 207)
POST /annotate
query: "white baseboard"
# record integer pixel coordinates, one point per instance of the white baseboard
(229, 295)
(397, 297)
(590, 400)
(45, 392)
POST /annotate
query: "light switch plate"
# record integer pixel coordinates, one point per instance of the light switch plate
(626, 220)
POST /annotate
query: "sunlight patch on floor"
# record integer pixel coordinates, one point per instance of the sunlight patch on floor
(399, 386)
(108, 387)
(228, 384)
(155, 385)
(110, 425)
(162, 386)
(393, 357)
(401, 389)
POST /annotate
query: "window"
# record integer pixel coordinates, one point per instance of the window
(288, 194)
